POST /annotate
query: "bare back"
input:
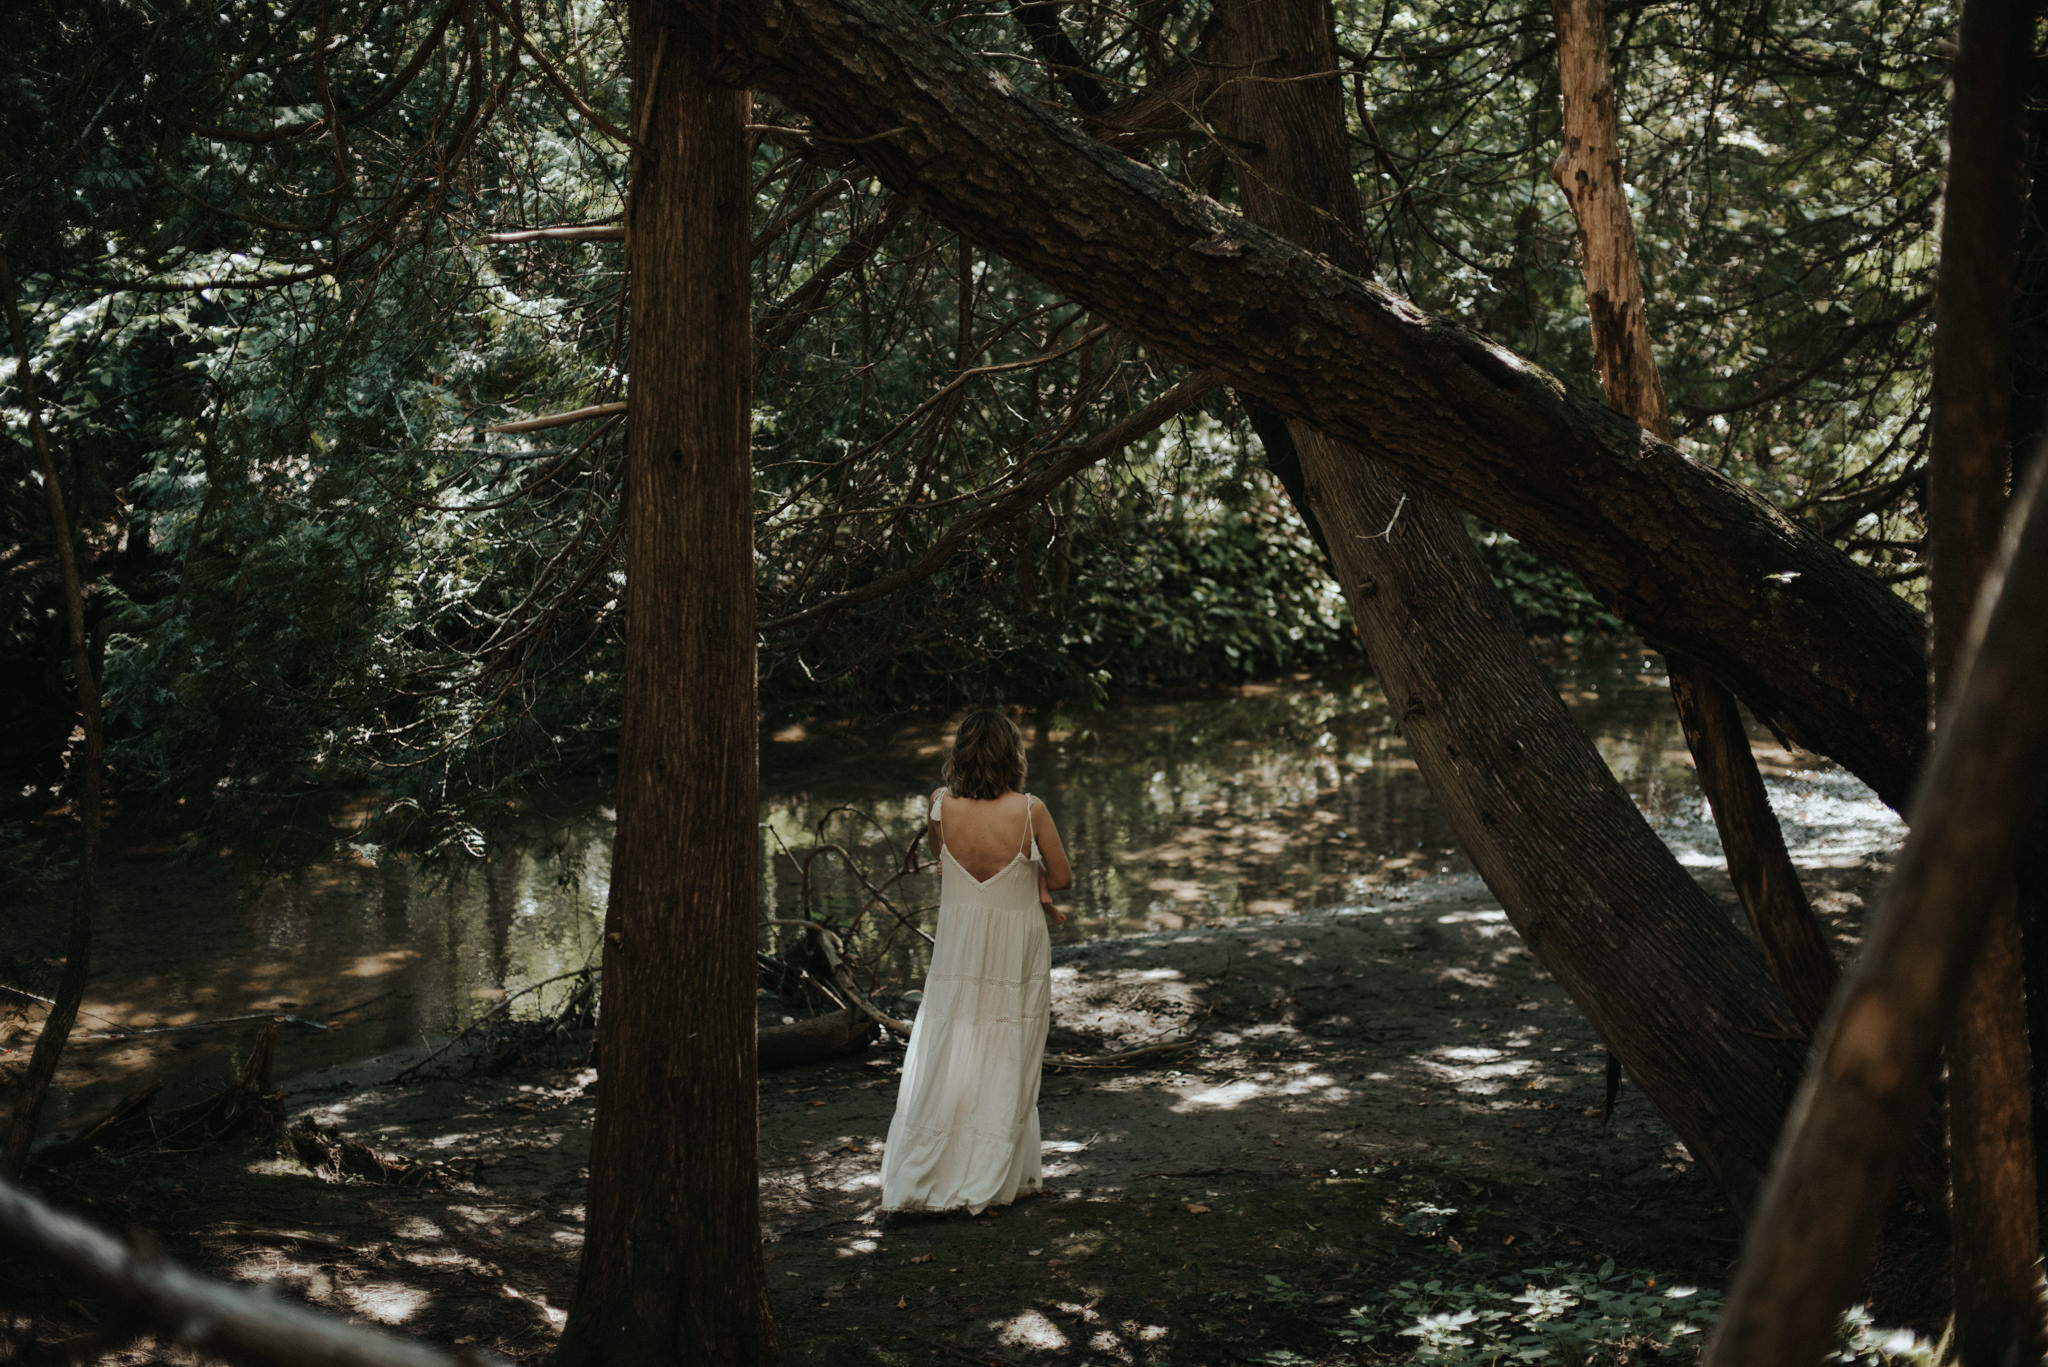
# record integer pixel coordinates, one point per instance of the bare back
(987, 835)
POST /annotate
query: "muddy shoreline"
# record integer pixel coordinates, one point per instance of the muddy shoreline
(1379, 1091)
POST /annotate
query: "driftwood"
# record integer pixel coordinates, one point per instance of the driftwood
(578, 1012)
(832, 1033)
(1122, 1058)
(252, 1099)
(213, 1317)
(333, 1157)
(815, 1039)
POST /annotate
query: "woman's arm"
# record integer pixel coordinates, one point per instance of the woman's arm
(1058, 873)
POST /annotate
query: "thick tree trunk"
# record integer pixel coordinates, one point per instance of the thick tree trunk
(1991, 1148)
(85, 777)
(1813, 643)
(1809, 1247)
(1676, 993)
(671, 1269)
(1589, 171)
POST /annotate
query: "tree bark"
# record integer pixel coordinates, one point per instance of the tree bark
(1781, 918)
(1818, 647)
(85, 779)
(1675, 991)
(671, 1269)
(1856, 1113)
(1991, 1146)
(1589, 171)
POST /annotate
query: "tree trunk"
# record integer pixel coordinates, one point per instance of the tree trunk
(1667, 981)
(1816, 645)
(1794, 944)
(1991, 1157)
(1589, 171)
(1855, 1116)
(85, 778)
(671, 1269)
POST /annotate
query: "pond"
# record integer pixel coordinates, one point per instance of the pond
(1211, 805)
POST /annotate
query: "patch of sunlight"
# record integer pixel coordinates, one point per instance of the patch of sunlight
(1160, 974)
(417, 1227)
(377, 965)
(1030, 1330)
(386, 1302)
(1230, 1095)
(1224, 1097)
(1459, 918)
(1473, 1069)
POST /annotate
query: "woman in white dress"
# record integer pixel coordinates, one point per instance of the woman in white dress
(965, 1135)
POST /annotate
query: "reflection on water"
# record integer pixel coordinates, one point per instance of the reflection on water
(1229, 803)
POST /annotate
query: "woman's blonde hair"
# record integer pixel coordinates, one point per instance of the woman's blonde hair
(987, 759)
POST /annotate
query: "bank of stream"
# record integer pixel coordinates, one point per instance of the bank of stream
(1388, 1092)
(1200, 809)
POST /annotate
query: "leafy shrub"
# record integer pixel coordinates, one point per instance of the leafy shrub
(1576, 1316)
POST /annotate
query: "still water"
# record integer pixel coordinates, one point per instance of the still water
(1223, 804)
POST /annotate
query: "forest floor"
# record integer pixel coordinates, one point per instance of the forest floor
(1378, 1097)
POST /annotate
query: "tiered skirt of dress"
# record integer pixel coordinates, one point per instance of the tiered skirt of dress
(965, 1135)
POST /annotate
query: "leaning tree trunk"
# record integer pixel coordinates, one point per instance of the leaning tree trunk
(1813, 643)
(1589, 171)
(1810, 1243)
(1675, 991)
(671, 1269)
(1991, 1147)
(85, 777)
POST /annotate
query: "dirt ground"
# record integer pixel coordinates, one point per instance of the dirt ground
(1378, 1095)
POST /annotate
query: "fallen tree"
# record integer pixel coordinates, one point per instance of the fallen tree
(1818, 647)
(1671, 985)
(236, 1324)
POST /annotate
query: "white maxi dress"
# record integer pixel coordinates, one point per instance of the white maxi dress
(965, 1134)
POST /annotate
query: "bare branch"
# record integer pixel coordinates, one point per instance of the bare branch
(213, 1317)
(596, 410)
(1171, 404)
(567, 232)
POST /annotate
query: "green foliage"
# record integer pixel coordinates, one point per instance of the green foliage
(1573, 1315)
(269, 349)
(1549, 600)
(1556, 1313)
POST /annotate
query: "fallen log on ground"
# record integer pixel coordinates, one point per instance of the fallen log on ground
(243, 1326)
(832, 1033)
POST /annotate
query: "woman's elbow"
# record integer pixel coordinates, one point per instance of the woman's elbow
(1058, 881)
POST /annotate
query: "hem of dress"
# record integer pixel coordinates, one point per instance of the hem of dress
(968, 1206)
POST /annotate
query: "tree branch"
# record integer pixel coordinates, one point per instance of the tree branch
(1104, 444)
(1818, 647)
(243, 1326)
